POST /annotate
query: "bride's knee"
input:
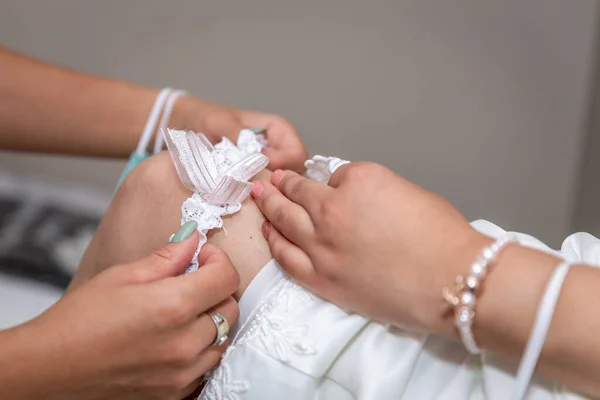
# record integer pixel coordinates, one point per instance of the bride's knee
(144, 212)
(153, 180)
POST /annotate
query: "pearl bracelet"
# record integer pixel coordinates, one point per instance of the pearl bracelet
(462, 297)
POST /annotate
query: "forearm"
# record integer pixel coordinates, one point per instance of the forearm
(508, 304)
(508, 307)
(44, 108)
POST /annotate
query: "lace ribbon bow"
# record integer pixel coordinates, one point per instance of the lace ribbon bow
(220, 174)
(217, 175)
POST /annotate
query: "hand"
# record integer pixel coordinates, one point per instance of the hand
(136, 331)
(285, 148)
(371, 241)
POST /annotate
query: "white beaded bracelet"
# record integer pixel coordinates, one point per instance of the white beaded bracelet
(463, 296)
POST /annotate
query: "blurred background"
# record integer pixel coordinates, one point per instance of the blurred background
(491, 104)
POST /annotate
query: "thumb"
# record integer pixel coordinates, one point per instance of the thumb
(164, 262)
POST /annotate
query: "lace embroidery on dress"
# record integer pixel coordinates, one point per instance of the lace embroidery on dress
(217, 175)
(274, 329)
(271, 328)
(223, 387)
(270, 325)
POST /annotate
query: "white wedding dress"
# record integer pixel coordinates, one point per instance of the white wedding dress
(291, 345)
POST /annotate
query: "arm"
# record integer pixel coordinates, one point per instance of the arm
(507, 307)
(401, 245)
(45, 108)
(137, 331)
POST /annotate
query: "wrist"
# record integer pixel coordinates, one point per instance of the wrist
(439, 318)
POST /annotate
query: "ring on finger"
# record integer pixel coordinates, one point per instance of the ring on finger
(222, 327)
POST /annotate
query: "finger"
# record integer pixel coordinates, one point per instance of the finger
(285, 148)
(210, 358)
(341, 174)
(204, 330)
(291, 258)
(213, 282)
(206, 360)
(193, 390)
(170, 260)
(211, 254)
(307, 193)
(289, 218)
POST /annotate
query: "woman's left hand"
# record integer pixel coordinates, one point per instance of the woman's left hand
(285, 148)
(371, 241)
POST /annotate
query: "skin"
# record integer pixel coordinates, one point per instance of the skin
(147, 207)
(145, 311)
(48, 109)
(402, 245)
(138, 330)
(388, 272)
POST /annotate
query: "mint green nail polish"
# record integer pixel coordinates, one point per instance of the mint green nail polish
(185, 231)
(258, 130)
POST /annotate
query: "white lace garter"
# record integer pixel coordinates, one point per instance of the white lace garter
(217, 175)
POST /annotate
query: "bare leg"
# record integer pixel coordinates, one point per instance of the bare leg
(147, 210)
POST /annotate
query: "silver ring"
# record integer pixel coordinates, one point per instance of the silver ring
(222, 327)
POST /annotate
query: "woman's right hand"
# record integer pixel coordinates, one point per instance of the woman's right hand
(136, 331)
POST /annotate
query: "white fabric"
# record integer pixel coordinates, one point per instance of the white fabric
(320, 168)
(538, 334)
(152, 120)
(297, 346)
(166, 116)
(265, 280)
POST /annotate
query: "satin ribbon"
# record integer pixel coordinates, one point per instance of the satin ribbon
(217, 175)
(217, 183)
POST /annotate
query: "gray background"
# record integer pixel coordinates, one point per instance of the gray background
(487, 103)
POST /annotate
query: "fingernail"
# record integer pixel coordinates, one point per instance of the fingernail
(277, 177)
(257, 189)
(258, 130)
(184, 232)
(266, 229)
